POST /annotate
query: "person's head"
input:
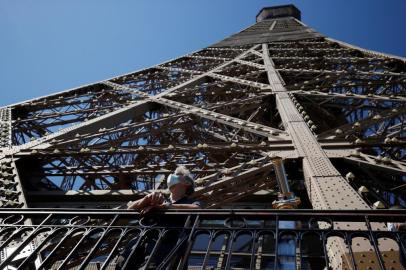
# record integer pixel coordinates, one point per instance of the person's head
(181, 182)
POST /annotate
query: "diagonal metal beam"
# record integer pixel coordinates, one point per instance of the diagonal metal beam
(351, 96)
(227, 120)
(364, 123)
(378, 163)
(117, 115)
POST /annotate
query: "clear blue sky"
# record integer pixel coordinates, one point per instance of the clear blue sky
(48, 46)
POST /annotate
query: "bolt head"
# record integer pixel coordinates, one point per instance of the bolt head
(355, 153)
(363, 189)
(377, 117)
(386, 160)
(350, 176)
(394, 140)
(356, 125)
(378, 205)
(358, 141)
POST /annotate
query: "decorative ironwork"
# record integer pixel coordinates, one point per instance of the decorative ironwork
(216, 239)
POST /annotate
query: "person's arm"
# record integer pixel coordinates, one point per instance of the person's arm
(138, 204)
(195, 205)
(183, 206)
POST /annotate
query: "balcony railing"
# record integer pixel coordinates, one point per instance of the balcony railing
(206, 239)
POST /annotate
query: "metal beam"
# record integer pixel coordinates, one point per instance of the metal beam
(322, 179)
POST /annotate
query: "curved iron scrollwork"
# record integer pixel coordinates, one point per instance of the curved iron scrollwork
(206, 239)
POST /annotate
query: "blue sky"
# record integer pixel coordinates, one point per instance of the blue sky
(48, 46)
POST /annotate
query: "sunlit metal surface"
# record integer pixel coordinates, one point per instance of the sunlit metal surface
(333, 112)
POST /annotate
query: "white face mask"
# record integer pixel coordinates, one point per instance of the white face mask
(174, 179)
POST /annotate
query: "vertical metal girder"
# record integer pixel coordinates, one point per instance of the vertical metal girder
(326, 188)
(281, 175)
(286, 199)
(316, 164)
(11, 191)
(5, 127)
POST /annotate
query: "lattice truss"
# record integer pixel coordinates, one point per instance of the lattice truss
(216, 111)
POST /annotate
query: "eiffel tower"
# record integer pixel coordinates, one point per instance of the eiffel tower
(277, 116)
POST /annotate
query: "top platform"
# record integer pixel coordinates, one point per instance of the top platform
(278, 12)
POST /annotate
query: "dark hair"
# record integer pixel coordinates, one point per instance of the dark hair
(191, 187)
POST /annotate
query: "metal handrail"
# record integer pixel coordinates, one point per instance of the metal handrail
(172, 239)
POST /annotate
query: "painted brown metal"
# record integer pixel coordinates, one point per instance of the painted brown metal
(335, 113)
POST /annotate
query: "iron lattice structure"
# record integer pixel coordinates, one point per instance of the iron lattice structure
(335, 114)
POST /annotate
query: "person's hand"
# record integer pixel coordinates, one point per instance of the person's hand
(156, 198)
(152, 199)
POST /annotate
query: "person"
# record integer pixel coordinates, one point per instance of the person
(181, 186)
